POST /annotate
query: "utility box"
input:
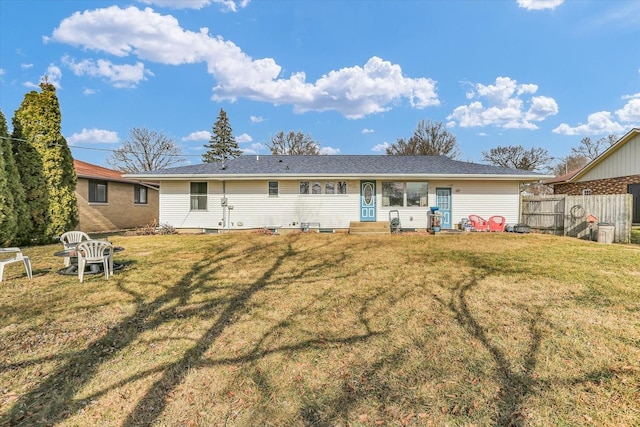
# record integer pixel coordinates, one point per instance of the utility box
(606, 232)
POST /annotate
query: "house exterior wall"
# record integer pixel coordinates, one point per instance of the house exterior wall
(597, 187)
(254, 208)
(624, 162)
(119, 213)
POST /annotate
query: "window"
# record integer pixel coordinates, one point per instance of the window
(304, 187)
(342, 187)
(586, 192)
(329, 187)
(140, 194)
(392, 193)
(273, 188)
(198, 196)
(417, 193)
(97, 191)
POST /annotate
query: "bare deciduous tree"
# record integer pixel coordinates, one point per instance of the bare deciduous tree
(517, 157)
(293, 143)
(429, 139)
(145, 150)
(591, 149)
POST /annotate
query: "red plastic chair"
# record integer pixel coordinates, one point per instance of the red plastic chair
(497, 223)
(478, 223)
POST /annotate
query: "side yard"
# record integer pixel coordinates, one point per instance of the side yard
(328, 330)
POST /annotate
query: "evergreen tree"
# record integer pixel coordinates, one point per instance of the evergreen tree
(222, 145)
(45, 158)
(9, 181)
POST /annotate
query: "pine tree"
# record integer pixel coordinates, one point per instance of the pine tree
(222, 145)
(46, 164)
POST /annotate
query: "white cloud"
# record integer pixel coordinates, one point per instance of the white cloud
(539, 4)
(378, 148)
(597, 123)
(603, 122)
(120, 76)
(354, 91)
(201, 135)
(329, 151)
(506, 106)
(240, 139)
(88, 91)
(226, 5)
(26, 66)
(93, 136)
(256, 119)
(631, 111)
(365, 131)
(2, 71)
(53, 76)
(254, 148)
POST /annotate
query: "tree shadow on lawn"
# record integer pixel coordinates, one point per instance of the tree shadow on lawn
(53, 401)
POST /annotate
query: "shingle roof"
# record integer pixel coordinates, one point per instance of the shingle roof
(88, 170)
(282, 165)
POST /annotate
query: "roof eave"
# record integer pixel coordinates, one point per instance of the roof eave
(249, 177)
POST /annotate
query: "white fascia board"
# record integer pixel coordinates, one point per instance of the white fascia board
(235, 177)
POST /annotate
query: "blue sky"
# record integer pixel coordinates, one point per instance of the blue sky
(356, 75)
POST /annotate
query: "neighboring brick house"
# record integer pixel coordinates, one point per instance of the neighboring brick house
(109, 202)
(615, 171)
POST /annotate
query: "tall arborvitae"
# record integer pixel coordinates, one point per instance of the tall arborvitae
(39, 121)
(222, 144)
(32, 225)
(10, 188)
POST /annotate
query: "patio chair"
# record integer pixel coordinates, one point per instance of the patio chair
(70, 240)
(16, 256)
(478, 223)
(95, 252)
(497, 223)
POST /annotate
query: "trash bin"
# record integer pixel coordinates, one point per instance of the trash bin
(606, 231)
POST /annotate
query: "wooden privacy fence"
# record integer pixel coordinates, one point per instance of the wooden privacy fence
(566, 215)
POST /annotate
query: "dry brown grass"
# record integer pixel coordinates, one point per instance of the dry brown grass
(327, 330)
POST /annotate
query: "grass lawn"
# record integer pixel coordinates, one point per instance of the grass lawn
(327, 330)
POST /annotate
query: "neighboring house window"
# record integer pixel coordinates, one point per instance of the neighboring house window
(198, 196)
(97, 191)
(417, 193)
(273, 188)
(330, 187)
(140, 194)
(586, 192)
(392, 193)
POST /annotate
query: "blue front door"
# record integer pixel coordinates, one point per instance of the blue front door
(367, 201)
(443, 201)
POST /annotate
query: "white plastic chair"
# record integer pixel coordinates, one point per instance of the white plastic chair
(70, 240)
(17, 256)
(95, 252)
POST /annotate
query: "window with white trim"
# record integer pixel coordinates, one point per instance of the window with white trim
(586, 192)
(198, 196)
(323, 187)
(404, 194)
(273, 188)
